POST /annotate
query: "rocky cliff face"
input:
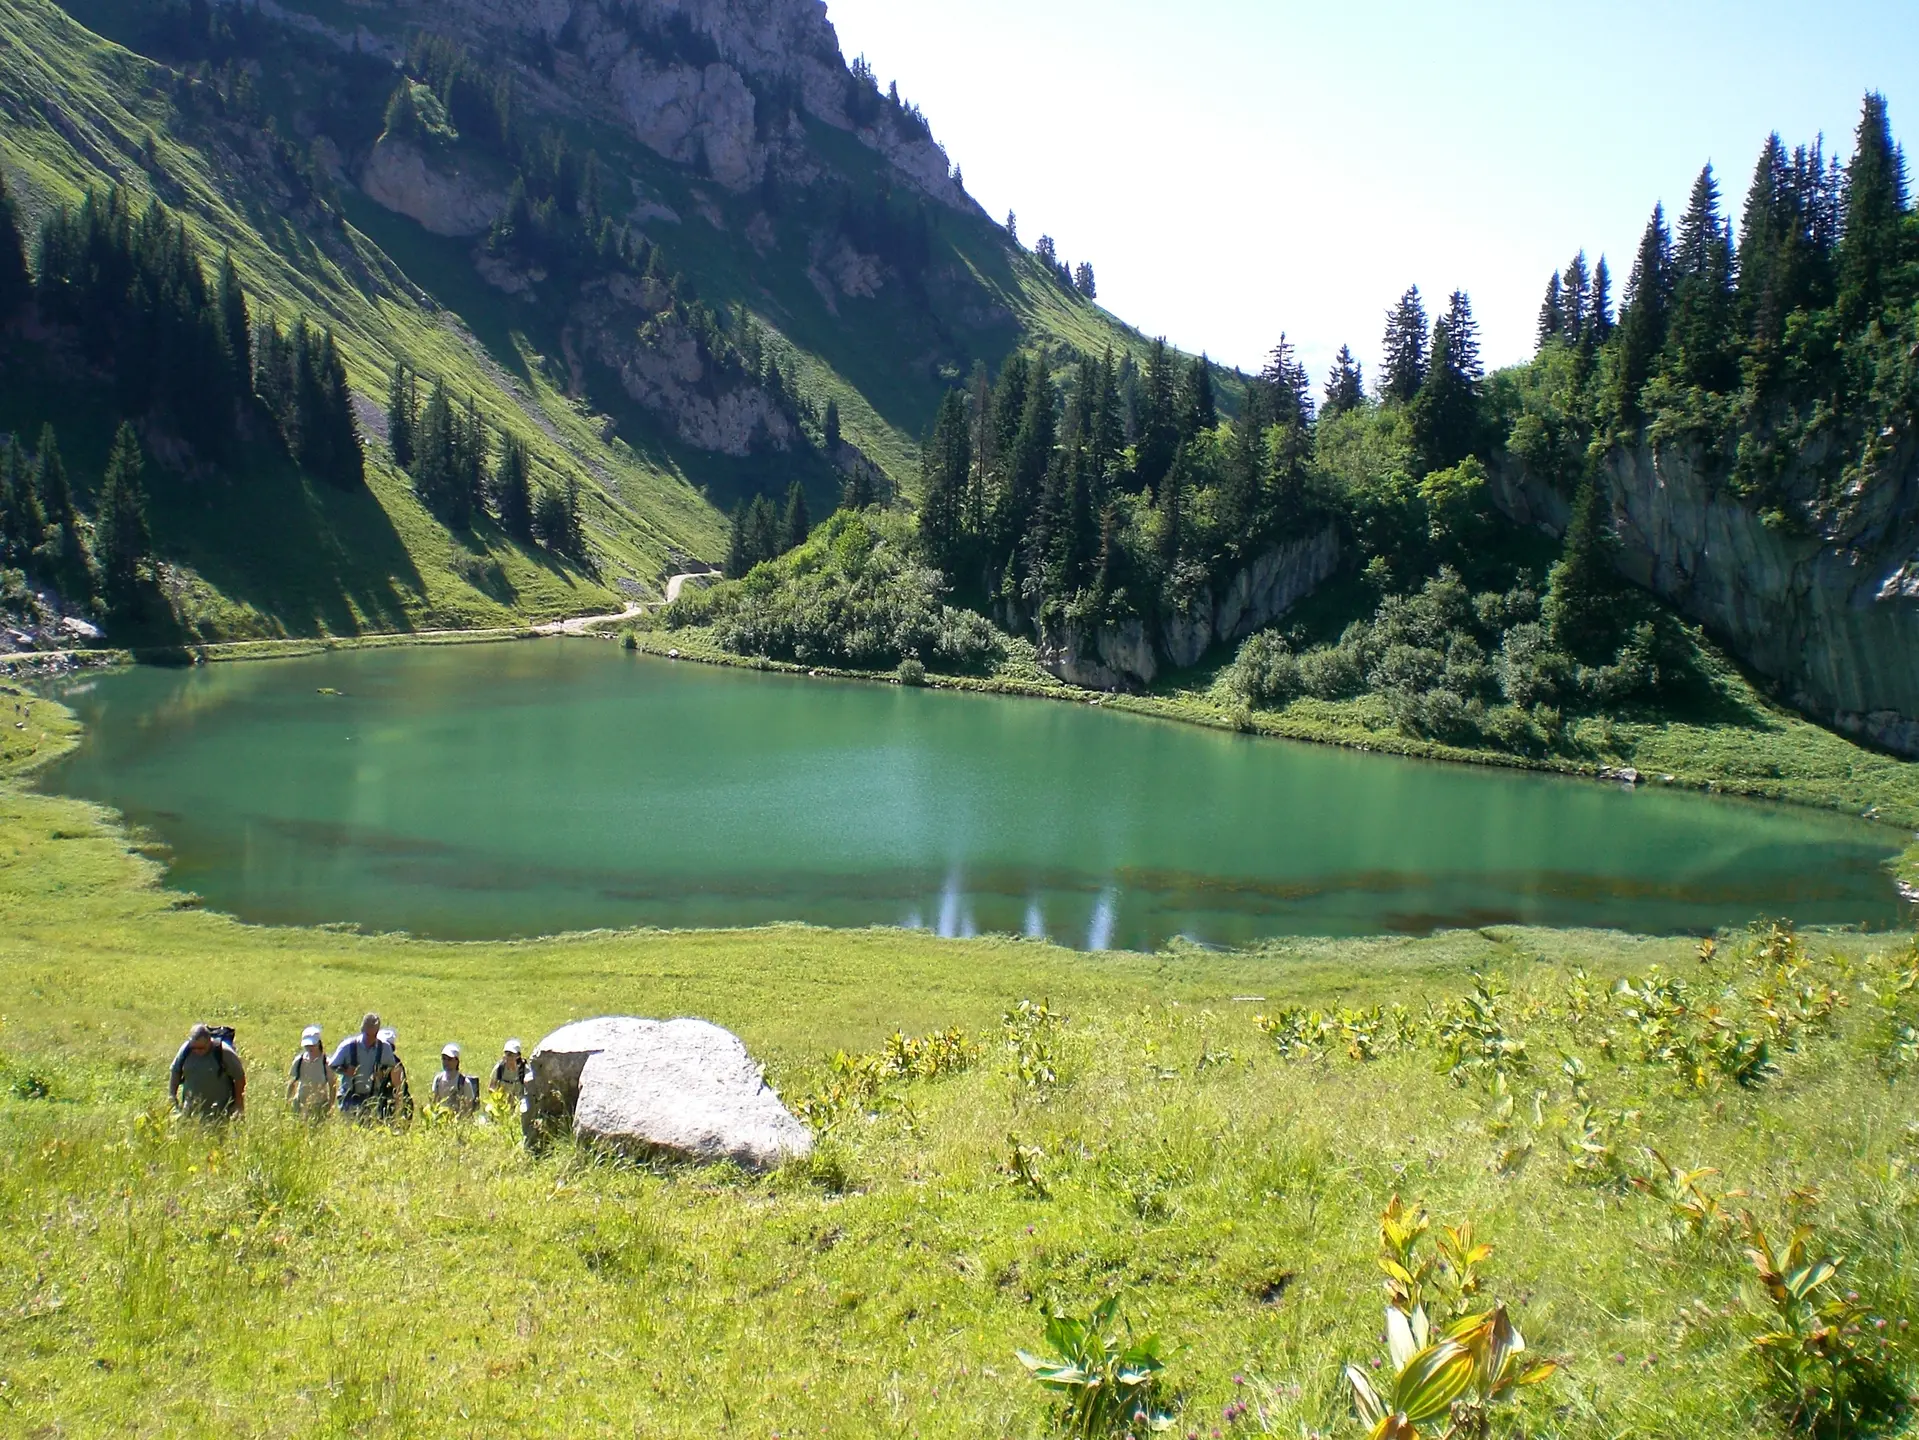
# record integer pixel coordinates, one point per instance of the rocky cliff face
(1131, 653)
(1832, 615)
(687, 78)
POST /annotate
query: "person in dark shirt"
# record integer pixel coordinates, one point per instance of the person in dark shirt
(207, 1079)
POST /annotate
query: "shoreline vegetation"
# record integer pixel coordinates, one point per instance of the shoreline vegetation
(1210, 1139)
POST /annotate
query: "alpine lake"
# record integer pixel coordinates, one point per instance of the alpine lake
(519, 789)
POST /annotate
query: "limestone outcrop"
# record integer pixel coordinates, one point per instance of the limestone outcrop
(1130, 654)
(683, 1089)
(443, 199)
(1829, 610)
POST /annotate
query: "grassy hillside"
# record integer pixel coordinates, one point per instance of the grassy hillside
(261, 551)
(1186, 1139)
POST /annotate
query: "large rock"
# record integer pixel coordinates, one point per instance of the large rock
(680, 1088)
(443, 199)
(1125, 656)
(1833, 615)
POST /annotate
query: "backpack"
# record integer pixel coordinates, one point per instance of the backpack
(222, 1035)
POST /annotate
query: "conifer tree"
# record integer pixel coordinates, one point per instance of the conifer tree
(16, 284)
(1701, 334)
(737, 561)
(20, 523)
(1574, 296)
(1599, 316)
(945, 462)
(557, 521)
(125, 537)
(1345, 386)
(437, 467)
(1405, 349)
(1288, 390)
(832, 438)
(402, 414)
(1032, 454)
(237, 325)
(513, 489)
(61, 553)
(1552, 315)
(1646, 316)
(1198, 405)
(797, 524)
(1875, 206)
(858, 492)
(1581, 604)
(1445, 413)
(1158, 419)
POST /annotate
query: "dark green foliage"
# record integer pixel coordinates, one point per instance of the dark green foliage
(798, 524)
(1875, 207)
(61, 553)
(402, 414)
(557, 522)
(1345, 386)
(1158, 423)
(133, 288)
(1581, 608)
(122, 531)
(16, 285)
(1457, 667)
(1405, 349)
(756, 536)
(855, 594)
(946, 463)
(831, 431)
(513, 489)
(1701, 334)
(1446, 417)
(302, 379)
(449, 462)
(1645, 317)
(1198, 403)
(1552, 314)
(22, 526)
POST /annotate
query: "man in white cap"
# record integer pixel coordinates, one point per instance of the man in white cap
(310, 1082)
(452, 1090)
(509, 1076)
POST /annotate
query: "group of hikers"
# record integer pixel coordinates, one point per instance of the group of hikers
(364, 1078)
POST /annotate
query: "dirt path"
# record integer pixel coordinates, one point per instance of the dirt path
(582, 624)
(678, 582)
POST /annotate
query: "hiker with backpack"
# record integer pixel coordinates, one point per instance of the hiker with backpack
(207, 1079)
(364, 1064)
(510, 1075)
(310, 1083)
(394, 1100)
(452, 1090)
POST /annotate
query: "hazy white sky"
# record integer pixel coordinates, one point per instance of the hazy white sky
(1235, 168)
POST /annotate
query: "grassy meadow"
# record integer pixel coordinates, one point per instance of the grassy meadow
(1195, 1136)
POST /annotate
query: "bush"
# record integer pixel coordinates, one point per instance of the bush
(910, 671)
(855, 595)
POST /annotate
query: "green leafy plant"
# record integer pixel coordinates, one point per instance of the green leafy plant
(1473, 1040)
(1696, 1207)
(1824, 1358)
(1446, 1387)
(1032, 1035)
(1025, 1168)
(1109, 1382)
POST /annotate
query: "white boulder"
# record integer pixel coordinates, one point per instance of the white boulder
(686, 1089)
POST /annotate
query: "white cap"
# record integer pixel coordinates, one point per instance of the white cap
(310, 1036)
(512, 1047)
(451, 1051)
(386, 1036)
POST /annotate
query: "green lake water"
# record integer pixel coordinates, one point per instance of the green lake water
(520, 789)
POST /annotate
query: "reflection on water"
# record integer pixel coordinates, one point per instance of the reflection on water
(508, 790)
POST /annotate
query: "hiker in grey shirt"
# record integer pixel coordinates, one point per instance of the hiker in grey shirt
(207, 1079)
(362, 1063)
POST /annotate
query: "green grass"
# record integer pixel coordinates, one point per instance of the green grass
(270, 1279)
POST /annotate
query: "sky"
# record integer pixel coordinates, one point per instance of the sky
(1235, 169)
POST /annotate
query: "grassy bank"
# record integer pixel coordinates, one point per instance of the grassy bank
(1223, 1177)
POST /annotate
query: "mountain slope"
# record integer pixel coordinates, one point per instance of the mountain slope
(805, 246)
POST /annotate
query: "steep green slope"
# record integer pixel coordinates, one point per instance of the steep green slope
(257, 132)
